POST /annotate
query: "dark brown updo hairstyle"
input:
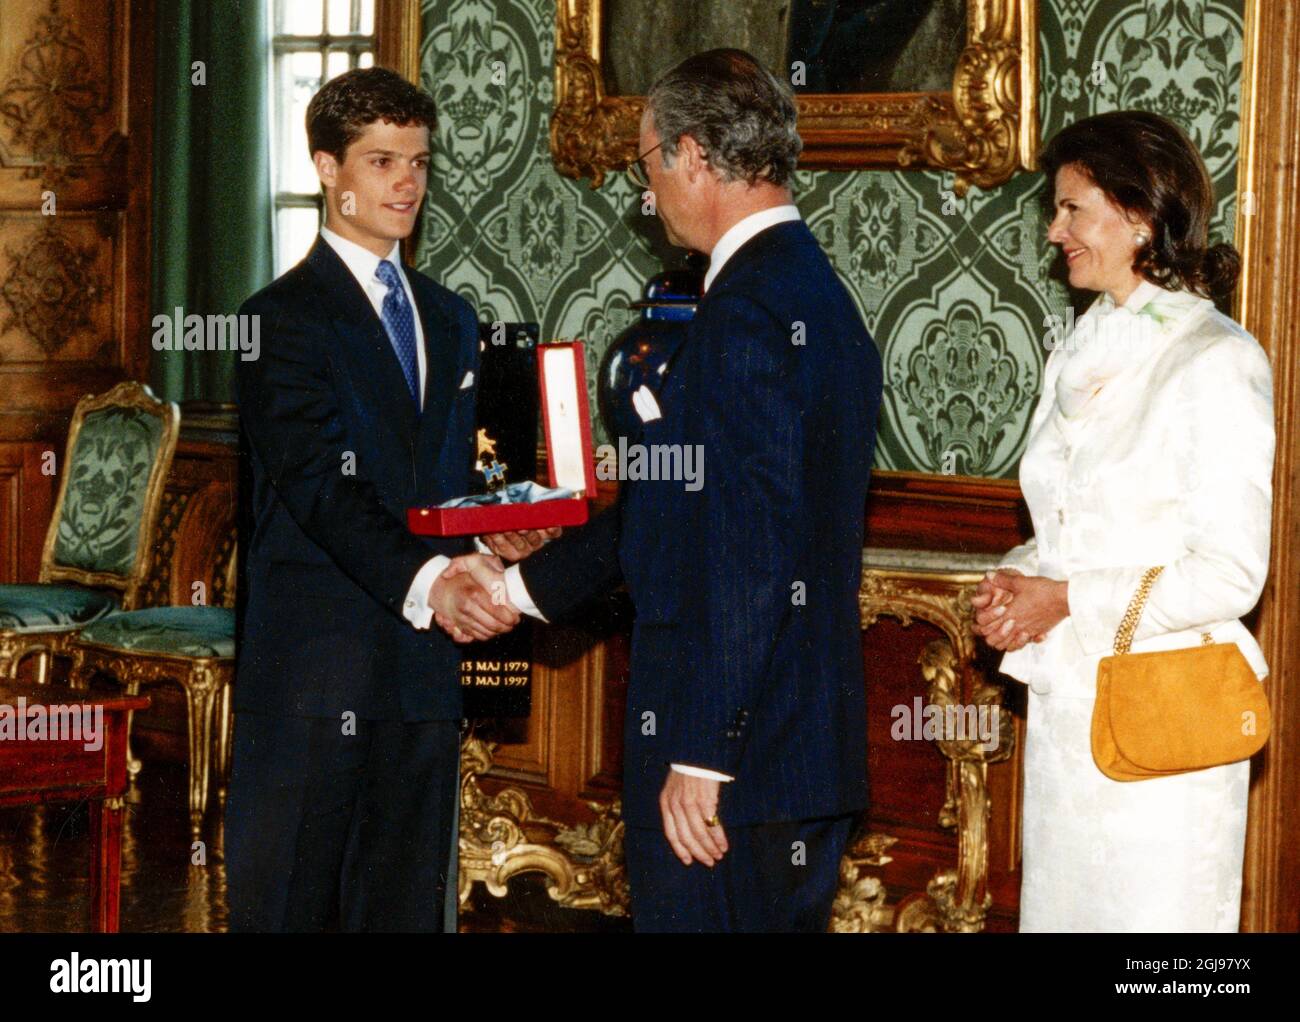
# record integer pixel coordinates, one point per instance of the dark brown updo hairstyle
(1148, 167)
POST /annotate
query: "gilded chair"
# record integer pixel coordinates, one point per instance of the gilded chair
(193, 646)
(96, 552)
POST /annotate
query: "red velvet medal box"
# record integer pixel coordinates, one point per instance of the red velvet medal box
(563, 384)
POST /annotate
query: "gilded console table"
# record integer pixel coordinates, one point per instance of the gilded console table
(935, 587)
(501, 835)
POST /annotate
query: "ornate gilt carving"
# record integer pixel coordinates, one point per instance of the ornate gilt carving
(960, 896)
(501, 837)
(982, 130)
(956, 900)
(859, 905)
(942, 600)
(206, 681)
(987, 131)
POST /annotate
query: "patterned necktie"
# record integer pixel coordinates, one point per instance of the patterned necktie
(400, 324)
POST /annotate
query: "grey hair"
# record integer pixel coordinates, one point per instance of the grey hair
(741, 114)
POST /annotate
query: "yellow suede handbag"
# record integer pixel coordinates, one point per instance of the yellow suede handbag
(1172, 711)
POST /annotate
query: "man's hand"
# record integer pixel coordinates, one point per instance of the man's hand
(1011, 608)
(515, 546)
(688, 803)
(469, 599)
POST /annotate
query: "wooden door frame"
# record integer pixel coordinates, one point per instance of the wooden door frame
(1268, 210)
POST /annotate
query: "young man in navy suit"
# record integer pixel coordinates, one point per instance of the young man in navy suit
(346, 756)
(745, 743)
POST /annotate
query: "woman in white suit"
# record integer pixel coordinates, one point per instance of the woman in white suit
(1152, 444)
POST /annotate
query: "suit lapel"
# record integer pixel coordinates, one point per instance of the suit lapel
(442, 375)
(364, 334)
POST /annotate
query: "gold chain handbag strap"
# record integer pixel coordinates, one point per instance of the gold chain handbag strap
(1128, 624)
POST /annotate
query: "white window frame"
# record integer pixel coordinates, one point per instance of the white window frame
(355, 44)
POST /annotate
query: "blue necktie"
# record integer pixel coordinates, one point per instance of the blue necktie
(400, 324)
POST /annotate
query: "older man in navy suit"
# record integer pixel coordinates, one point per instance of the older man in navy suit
(745, 737)
(346, 756)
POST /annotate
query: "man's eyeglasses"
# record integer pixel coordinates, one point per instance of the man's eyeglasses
(636, 169)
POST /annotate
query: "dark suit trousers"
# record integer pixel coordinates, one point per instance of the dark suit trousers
(766, 883)
(330, 831)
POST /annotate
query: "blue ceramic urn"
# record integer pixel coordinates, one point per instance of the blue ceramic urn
(640, 355)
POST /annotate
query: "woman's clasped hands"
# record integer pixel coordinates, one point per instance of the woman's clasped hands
(1013, 609)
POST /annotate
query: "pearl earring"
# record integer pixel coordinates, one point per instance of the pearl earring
(1141, 239)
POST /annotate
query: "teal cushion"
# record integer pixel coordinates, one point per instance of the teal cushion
(99, 523)
(174, 631)
(51, 608)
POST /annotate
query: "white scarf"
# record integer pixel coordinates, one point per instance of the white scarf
(1107, 340)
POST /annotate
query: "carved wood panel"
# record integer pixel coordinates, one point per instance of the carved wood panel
(57, 276)
(26, 502)
(76, 85)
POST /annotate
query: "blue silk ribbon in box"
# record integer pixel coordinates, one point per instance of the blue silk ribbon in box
(516, 493)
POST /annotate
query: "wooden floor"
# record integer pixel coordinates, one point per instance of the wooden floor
(45, 855)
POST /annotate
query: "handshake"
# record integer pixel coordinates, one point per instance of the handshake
(469, 599)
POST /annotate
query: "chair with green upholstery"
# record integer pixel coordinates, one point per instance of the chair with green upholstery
(97, 548)
(193, 646)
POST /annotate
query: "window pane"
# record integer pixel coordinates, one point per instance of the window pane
(336, 63)
(367, 17)
(367, 60)
(340, 17)
(301, 17)
(296, 229)
(299, 80)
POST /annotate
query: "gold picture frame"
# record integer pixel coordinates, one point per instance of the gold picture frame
(983, 130)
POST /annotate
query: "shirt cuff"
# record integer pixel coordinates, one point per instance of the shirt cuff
(517, 593)
(415, 608)
(695, 771)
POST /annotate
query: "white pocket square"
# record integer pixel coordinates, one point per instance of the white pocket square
(468, 381)
(643, 400)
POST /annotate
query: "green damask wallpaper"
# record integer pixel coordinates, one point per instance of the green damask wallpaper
(955, 291)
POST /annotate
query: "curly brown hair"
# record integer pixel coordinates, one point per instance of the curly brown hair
(1148, 167)
(346, 105)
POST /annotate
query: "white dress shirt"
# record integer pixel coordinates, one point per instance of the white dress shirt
(363, 263)
(741, 231)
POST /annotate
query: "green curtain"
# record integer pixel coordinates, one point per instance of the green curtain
(212, 206)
